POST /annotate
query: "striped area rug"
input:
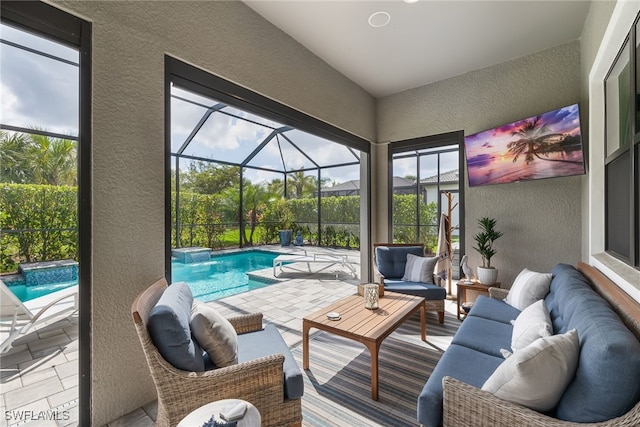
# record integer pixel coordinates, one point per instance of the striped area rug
(338, 384)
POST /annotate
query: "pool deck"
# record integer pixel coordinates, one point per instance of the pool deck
(41, 372)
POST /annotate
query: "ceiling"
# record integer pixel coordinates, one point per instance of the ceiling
(426, 41)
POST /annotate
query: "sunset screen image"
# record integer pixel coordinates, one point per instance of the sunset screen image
(543, 146)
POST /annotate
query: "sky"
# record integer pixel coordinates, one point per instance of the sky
(41, 92)
(36, 91)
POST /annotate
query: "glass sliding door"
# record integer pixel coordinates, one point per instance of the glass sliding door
(45, 225)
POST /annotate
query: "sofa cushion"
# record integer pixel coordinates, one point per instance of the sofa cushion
(527, 288)
(266, 342)
(170, 331)
(391, 260)
(494, 309)
(537, 375)
(533, 323)
(486, 336)
(427, 291)
(214, 334)
(462, 363)
(606, 382)
(419, 269)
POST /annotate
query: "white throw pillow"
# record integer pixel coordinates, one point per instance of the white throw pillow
(528, 288)
(537, 375)
(215, 334)
(534, 322)
(419, 269)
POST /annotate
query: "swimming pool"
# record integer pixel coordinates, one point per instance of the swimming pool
(27, 293)
(224, 275)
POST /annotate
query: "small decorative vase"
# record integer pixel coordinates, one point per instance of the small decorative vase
(371, 296)
(487, 276)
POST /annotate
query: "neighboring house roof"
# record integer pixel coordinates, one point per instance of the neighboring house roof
(451, 176)
(354, 185)
(399, 182)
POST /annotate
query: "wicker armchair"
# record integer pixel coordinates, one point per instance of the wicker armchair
(436, 305)
(466, 405)
(260, 381)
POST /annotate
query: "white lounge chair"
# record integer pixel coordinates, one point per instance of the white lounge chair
(23, 316)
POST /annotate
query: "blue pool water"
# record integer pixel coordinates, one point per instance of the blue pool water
(223, 275)
(27, 293)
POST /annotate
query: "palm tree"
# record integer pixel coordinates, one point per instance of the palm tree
(534, 142)
(302, 184)
(276, 187)
(54, 160)
(14, 162)
(37, 159)
(254, 200)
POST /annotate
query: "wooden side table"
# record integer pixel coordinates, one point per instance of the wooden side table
(474, 287)
(204, 413)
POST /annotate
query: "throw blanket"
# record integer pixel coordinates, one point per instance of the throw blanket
(443, 265)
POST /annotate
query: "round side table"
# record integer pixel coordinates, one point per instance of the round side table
(204, 413)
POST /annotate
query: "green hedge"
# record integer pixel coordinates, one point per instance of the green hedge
(37, 223)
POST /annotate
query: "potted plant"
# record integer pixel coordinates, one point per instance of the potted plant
(487, 274)
(284, 218)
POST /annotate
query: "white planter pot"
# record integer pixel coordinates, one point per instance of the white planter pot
(487, 276)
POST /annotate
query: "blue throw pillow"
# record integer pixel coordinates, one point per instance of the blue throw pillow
(170, 332)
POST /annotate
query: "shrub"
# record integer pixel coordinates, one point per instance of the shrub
(37, 223)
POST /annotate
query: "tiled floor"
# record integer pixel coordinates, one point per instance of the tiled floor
(39, 377)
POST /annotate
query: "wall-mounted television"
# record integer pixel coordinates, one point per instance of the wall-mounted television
(544, 146)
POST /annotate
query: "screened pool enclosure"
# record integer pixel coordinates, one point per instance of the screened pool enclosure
(239, 178)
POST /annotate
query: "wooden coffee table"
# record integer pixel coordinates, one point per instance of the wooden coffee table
(369, 327)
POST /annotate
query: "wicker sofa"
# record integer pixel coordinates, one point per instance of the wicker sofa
(605, 390)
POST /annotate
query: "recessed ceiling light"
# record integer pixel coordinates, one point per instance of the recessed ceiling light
(411, 1)
(379, 19)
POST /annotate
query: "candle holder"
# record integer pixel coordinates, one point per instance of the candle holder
(371, 296)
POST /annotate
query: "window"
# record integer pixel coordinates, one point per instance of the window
(46, 89)
(425, 175)
(241, 167)
(622, 177)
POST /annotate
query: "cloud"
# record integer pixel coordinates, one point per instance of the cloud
(39, 91)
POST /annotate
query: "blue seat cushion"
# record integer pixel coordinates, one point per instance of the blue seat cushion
(465, 364)
(493, 309)
(268, 341)
(428, 291)
(606, 382)
(170, 331)
(486, 336)
(392, 260)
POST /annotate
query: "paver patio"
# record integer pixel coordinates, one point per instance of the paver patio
(41, 372)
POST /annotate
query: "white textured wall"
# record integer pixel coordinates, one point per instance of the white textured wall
(541, 220)
(592, 33)
(130, 40)
(603, 46)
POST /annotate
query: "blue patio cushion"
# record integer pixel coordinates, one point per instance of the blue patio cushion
(170, 332)
(427, 291)
(268, 341)
(606, 382)
(486, 336)
(391, 260)
(493, 309)
(465, 364)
